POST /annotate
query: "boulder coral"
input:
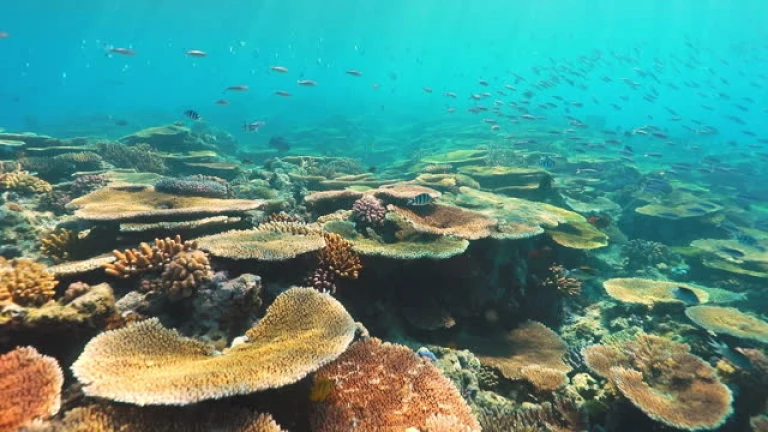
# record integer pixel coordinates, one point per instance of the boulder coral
(664, 380)
(30, 388)
(384, 387)
(301, 331)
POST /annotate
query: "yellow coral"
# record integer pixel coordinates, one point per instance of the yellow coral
(185, 273)
(730, 321)
(23, 182)
(60, 245)
(30, 388)
(133, 262)
(25, 282)
(147, 364)
(261, 245)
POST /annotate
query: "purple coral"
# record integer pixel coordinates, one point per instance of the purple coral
(323, 280)
(368, 211)
(192, 186)
(86, 183)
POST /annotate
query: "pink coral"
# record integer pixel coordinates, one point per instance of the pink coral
(368, 211)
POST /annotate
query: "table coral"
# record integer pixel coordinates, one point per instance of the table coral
(730, 321)
(386, 387)
(25, 283)
(30, 388)
(301, 331)
(664, 380)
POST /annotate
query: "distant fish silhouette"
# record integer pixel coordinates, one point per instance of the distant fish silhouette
(253, 126)
(686, 295)
(279, 144)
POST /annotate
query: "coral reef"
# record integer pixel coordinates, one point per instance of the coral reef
(30, 388)
(664, 380)
(86, 183)
(368, 212)
(192, 186)
(559, 279)
(140, 157)
(23, 183)
(640, 254)
(263, 245)
(25, 283)
(61, 245)
(731, 321)
(301, 331)
(146, 258)
(562, 415)
(379, 386)
(336, 260)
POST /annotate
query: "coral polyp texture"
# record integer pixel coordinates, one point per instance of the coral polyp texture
(25, 283)
(368, 211)
(147, 364)
(30, 388)
(145, 258)
(123, 418)
(336, 260)
(60, 245)
(23, 182)
(664, 380)
(730, 321)
(185, 273)
(192, 186)
(262, 244)
(377, 386)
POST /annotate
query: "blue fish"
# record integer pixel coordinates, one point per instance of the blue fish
(686, 295)
(426, 353)
(421, 199)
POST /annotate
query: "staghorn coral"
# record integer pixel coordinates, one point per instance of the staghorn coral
(368, 212)
(335, 260)
(30, 388)
(140, 157)
(23, 183)
(386, 387)
(664, 380)
(133, 262)
(122, 418)
(730, 321)
(25, 283)
(558, 279)
(192, 186)
(61, 245)
(186, 271)
(301, 331)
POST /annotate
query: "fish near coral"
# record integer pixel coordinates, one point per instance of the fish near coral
(321, 389)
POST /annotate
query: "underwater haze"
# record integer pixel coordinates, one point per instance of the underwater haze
(366, 216)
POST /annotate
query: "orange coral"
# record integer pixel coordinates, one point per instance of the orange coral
(185, 273)
(133, 262)
(664, 380)
(147, 364)
(30, 388)
(25, 282)
(338, 257)
(384, 387)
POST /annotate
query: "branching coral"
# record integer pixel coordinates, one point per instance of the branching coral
(559, 279)
(185, 273)
(368, 212)
(23, 182)
(385, 387)
(25, 283)
(336, 260)
(283, 217)
(192, 186)
(301, 331)
(30, 388)
(640, 254)
(133, 262)
(61, 245)
(664, 380)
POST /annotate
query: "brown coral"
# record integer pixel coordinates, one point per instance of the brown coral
(23, 182)
(664, 380)
(30, 388)
(185, 273)
(60, 245)
(25, 282)
(447, 220)
(559, 279)
(385, 387)
(120, 418)
(338, 257)
(133, 262)
(295, 228)
(147, 364)
(260, 245)
(730, 321)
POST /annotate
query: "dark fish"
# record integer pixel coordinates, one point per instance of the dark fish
(746, 239)
(731, 251)
(547, 162)
(279, 144)
(253, 126)
(192, 115)
(420, 200)
(373, 169)
(686, 295)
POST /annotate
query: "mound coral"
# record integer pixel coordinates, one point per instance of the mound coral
(60, 245)
(134, 262)
(664, 380)
(185, 273)
(260, 245)
(301, 331)
(368, 212)
(530, 352)
(30, 388)
(730, 321)
(119, 418)
(22, 182)
(377, 386)
(192, 186)
(25, 283)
